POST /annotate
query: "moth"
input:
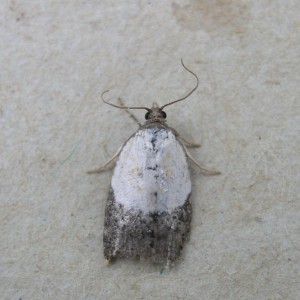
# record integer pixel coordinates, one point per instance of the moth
(148, 210)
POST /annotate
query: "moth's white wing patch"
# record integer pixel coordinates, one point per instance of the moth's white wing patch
(152, 180)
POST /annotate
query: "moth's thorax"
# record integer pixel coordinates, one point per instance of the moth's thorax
(155, 124)
(156, 120)
(151, 174)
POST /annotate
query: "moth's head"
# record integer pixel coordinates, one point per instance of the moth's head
(155, 114)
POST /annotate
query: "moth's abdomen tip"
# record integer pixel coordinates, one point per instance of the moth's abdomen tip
(106, 262)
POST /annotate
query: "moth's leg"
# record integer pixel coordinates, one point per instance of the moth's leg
(131, 115)
(106, 166)
(203, 169)
(184, 141)
(187, 143)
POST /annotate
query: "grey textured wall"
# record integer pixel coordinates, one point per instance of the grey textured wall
(56, 59)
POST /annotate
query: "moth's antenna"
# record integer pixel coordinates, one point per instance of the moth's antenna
(123, 107)
(189, 92)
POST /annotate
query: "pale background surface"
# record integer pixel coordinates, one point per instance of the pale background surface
(56, 59)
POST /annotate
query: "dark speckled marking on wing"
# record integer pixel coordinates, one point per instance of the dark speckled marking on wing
(159, 237)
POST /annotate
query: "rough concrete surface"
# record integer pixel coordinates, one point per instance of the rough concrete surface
(56, 59)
